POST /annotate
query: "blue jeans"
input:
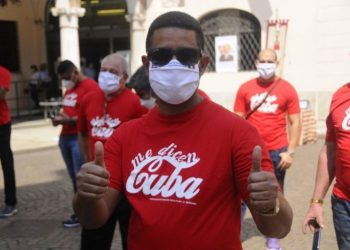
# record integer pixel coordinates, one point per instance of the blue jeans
(275, 158)
(341, 221)
(70, 151)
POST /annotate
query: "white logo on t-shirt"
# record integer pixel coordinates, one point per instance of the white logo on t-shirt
(267, 107)
(346, 122)
(70, 100)
(144, 177)
(100, 130)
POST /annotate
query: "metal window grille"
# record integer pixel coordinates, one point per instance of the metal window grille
(233, 22)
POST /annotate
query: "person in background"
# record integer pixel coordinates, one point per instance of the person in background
(140, 84)
(34, 84)
(6, 155)
(45, 80)
(334, 162)
(184, 190)
(271, 104)
(100, 115)
(91, 71)
(77, 85)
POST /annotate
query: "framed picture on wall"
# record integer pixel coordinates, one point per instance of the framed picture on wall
(226, 54)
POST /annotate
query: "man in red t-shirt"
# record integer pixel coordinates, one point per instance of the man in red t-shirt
(77, 85)
(100, 114)
(185, 166)
(268, 103)
(6, 155)
(334, 161)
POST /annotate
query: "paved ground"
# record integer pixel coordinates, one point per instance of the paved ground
(44, 193)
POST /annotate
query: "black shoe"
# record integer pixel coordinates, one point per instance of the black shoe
(8, 211)
(71, 222)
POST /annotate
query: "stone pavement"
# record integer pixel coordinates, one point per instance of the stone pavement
(45, 193)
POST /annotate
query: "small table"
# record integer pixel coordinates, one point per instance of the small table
(51, 108)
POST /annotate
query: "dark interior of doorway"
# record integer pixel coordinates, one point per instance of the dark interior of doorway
(99, 35)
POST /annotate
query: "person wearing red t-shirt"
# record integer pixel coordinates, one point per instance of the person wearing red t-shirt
(100, 114)
(334, 161)
(6, 154)
(185, 166)
(268, 103)
(77, 85)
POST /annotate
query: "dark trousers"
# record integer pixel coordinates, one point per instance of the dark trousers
(341, 215)
(34, 93)
(101, 238)
(7, 165)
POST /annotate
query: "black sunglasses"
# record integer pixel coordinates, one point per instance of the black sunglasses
(262, 61)
(162, 56)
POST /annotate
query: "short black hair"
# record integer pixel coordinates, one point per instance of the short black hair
(175, 19)
(139, 80)
(65, 66)
(34, 67)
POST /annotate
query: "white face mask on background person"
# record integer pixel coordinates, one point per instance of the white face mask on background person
(266, 70)
(174, 83)
(108, 82)
(67, 84)
(148, 103)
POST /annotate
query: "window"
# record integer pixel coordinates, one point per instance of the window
(9, 45)
(233, 22)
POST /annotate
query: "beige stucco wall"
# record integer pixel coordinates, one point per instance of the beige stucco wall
(31, 43)
(31, 36)
(317, 58)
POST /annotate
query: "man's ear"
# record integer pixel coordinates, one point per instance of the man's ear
(125, 76)
(145, 63)
(203, 63)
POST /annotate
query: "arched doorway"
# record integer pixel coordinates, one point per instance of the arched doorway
(233, 22)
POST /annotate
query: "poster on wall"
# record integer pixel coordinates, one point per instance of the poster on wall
(276, 38)
(226, 54)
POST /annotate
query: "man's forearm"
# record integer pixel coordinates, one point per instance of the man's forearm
(294, 134)
(91, 213)
(277, 225)
(325, 171)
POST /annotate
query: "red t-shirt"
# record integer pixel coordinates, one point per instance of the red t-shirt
(203, 94)
(72, 100)
(184, 176)
(99, 117)
(5, 80)
(338, 131)
(270, 117)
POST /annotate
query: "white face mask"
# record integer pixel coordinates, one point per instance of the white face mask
(266, 70)
(67, 84)
(108, 82)
(148, 103)
(174, 82)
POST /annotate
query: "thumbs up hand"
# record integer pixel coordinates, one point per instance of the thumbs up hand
(93, 177)
(262, 186)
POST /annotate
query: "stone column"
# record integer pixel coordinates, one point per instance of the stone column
(68, 12)
(136, 18)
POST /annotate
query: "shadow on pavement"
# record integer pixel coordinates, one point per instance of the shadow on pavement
(38, 223)
(249, 229)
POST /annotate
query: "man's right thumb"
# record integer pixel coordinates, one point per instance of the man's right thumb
(99, 154)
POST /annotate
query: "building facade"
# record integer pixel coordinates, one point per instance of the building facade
(312, 39)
